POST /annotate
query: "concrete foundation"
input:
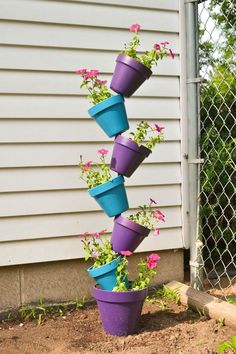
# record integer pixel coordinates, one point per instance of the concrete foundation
(67, 280)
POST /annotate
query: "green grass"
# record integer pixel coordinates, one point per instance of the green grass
(40, 311)
(227, 345)
(170, 294)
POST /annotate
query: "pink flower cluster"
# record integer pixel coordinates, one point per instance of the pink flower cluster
(103, 152)
(158, 214)
(135, 27)
(157, 47)
(158, 128)
(89, 74)
(95, 234)
(87, 165)
(152, 260)
(126, 253)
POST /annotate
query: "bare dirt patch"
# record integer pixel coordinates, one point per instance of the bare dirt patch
(164, 328)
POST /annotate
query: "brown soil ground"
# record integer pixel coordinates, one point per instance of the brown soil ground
(164, 328)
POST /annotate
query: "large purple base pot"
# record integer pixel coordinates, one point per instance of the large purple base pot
(129, 75)
(127, 235)
(127, 156)
(120, 312)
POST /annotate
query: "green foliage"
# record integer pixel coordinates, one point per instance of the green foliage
(147, 216)
(131, 47)
(231, 300)
(38, 312)
(150, 57)
(147, 269)
(98, 91)
(97, 174)
(221, 322)
(80, 303)
(145, 274)
(98, 250)
(170, 294)
(121, 274)
(227, 345)
(218, 111)
(153, 299)
(141, 137)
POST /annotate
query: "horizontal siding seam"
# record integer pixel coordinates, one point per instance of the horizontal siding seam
(38, 22)
(50, 71)
(76, 211)
(83, 189)
(102, 3)
(35, 191)
(107, 234)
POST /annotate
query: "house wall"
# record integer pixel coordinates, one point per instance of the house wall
(45, 127)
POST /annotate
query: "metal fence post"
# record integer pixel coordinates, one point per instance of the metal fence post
(193, 136)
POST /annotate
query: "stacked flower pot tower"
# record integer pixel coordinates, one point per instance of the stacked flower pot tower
(119, 310)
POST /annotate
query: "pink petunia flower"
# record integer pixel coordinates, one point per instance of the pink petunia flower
(157, 232)
(81, 71)
(103, 151)
(126, 253)
(165, 43)
(158, 214)
(85, 234)
(102, 231)
(154, 257)
(87, 165)
(158, 128)
(171, 54)
(94, 255)
(135, 27)
(152, 260)
(96, 234)
(91, 73)
(94, 72)
(157, 46)
(152, 201)
(151, 264)
(102, 82)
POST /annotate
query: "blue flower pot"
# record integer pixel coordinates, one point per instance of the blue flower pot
(111, 196)
(110, 115)
(105, 275)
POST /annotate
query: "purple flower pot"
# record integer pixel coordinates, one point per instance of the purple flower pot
(129, 74)
(127, 235)
(127, 156)
(120, 312)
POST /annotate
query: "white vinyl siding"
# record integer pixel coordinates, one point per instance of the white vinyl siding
(45, 127)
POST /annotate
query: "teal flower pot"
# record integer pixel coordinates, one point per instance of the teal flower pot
(110, 115)
(111, 196)
(105, 276)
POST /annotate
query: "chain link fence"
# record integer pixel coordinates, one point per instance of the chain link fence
(217, 26)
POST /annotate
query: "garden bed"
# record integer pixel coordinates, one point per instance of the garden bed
(165, 327)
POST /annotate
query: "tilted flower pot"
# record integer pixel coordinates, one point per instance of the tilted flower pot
(120, 312)
(105, 275)
(129, 75)
(111, 196)
(127, 156)
(127, 235)
(110, 115)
